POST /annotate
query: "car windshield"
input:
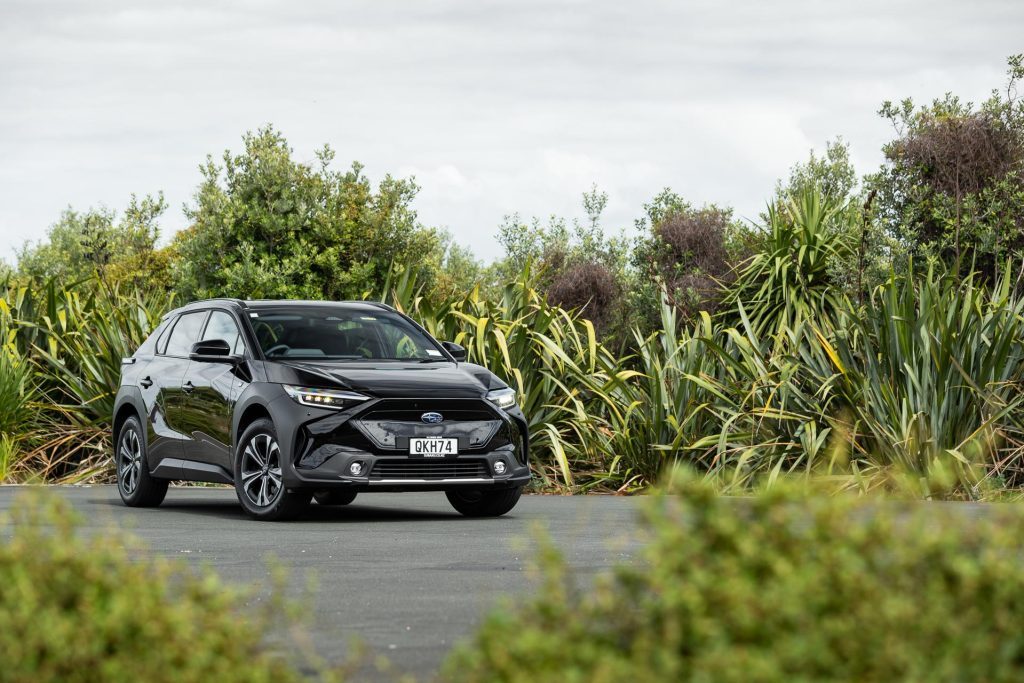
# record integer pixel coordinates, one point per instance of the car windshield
(341, 334)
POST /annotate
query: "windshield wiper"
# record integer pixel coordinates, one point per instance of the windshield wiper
(434, 360)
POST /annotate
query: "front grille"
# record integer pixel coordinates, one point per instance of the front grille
(440, 469)
(391, 423)
(411, 410)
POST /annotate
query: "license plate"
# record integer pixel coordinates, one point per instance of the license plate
(433, 447)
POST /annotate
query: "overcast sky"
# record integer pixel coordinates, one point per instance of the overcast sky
(494, 107)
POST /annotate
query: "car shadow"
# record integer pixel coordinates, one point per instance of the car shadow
(354, 513)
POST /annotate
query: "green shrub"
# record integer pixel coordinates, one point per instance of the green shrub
(60, 364)
(79, 610)
(781, 587)
(924, 379)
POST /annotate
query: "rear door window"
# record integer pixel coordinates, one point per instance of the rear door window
(185, 334)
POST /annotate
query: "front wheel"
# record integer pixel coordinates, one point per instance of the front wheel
(134, 483)
(258, 478)
(476, 503)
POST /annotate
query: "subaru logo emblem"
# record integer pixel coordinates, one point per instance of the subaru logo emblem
(432, 418)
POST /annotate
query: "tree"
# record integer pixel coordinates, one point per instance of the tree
(832, 173)
(267, 226)
(97, 243)
(685, 253)
(574, 264)
(457, 270)
(591, 288)
(953, 182)
(833, 176)
(550, 248)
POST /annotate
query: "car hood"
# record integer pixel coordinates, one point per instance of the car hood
(389, 379)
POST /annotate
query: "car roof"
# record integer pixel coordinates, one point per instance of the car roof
(259, 304)
(280, 303)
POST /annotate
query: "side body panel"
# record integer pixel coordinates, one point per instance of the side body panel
(149, 385)
(209, 409)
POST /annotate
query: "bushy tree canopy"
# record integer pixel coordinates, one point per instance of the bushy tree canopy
(574, 263)
(953, 182)
(549, 248)
(832, 173)
(265, 225)
(591, 288)
(684, 253)
(97, 242)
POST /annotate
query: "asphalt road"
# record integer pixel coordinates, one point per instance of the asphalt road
(403, 571)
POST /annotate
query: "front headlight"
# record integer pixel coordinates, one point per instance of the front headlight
(324, 398)
(503, 398)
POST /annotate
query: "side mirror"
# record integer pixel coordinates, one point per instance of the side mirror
(458, 352)
(213, 351)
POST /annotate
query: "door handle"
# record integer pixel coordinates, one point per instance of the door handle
(146, 382)
(188, 387)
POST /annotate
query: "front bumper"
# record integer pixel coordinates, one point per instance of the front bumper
(407, 474)
(325, 444)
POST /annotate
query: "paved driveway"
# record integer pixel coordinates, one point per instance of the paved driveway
(402, 570)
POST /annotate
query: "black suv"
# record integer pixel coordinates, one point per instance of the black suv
(291, 400)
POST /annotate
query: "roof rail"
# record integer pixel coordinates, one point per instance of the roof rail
(378, 304)
(218, 298)
(199, 302)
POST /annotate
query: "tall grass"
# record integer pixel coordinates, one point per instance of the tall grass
(59, 373)
(923, 378)
(17, 387)
(787, 280)
(932, 377)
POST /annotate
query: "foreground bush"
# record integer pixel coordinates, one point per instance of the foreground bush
(75, 610)
(781, 587)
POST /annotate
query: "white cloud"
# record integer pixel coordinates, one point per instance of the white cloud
(496, 107)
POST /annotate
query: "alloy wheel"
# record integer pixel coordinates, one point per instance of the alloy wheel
(261, 471)
(129, 461)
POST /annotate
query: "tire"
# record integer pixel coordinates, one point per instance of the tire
(341, 497)
(484, 503)
(258, 477)
(137, 487)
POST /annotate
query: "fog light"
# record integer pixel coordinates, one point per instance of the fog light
(499, 467)
(356, 469)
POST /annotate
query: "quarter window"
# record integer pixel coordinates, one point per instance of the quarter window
(161, 343)
(152, 343)
(185, 334)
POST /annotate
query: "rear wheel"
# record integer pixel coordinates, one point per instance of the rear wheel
(258, 477)
(476, 503)
(334, 497)
(134, 483)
